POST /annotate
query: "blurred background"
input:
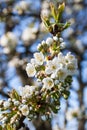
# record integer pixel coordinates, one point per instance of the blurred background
(21, 30)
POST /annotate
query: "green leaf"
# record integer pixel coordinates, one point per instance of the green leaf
(53, 11)
(66, 94)
(0, 128)
(9, 127)
(14, 94)
(46, 21)
(60, 11)
(67, 24)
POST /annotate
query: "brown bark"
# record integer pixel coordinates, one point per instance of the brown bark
(82, 121)
(42, 125)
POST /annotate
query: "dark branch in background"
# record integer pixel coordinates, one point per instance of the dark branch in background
(4, 94)
(21, 124)
(36, 15)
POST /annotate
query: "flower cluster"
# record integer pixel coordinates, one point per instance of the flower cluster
(49, 67)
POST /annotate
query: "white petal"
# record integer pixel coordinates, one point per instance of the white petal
(30, 69)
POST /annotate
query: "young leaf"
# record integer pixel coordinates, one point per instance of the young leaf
(60, 11)
(53, 11)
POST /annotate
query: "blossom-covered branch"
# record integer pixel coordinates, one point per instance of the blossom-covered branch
(53, 72)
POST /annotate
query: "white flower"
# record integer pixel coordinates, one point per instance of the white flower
(71, 63)
(9, 99)
(55, 38)
(48, 83)
(43, 42)
(39, 58)
(4, 120)
(62, 45)
(52, 66)
(61, 58)
(30, 69)
(61, 39)
(6, 104)
(33, 61)
(61, 73)
(27, 91)
(56, 82)
(39, 45)
(69, 57)
(49, 41)
(72, 68)
(25, 110)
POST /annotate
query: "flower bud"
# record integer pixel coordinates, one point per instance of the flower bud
(49, 41)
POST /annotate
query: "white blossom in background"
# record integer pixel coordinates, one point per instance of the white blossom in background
(22, 6)
(45, 12)
(8, 41)
(45, 9)
(30, 69)
(28, 35)
(48, 83)
(72, 113)
(25, 110)
(45, 4)
(79, 45)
